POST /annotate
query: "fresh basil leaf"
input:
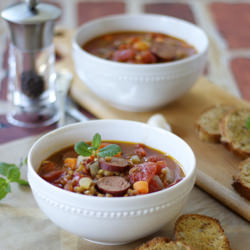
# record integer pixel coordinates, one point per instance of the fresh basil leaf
(248, 122)
(96, 141)
(81, 148)
(4, 167)
(109, 150)
(22, 182)
(13, 174)
(4, 188)
(2, 181)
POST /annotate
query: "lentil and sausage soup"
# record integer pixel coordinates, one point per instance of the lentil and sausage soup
(111, 168)
(139, 47)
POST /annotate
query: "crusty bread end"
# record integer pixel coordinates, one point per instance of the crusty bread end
(154, 244)
(242, 180)
(234, 134)
(207, 125)
(162, 243)
(201, 232)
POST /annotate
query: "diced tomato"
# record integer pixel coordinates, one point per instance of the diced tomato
(161, 163)
(123, 46)
(139, 150)
(142, 172)
(52, 175)
(90, 159)
(160, 166)
(147, 57)
(124, 55)
(154, 158)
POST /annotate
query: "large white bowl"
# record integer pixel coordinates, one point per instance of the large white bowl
(114, 220)
(139, 87)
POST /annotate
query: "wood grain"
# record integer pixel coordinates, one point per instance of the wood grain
(215, 164)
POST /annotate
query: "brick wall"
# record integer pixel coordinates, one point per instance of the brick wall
(227, 23)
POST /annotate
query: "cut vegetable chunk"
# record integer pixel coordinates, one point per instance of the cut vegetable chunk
(114, 185)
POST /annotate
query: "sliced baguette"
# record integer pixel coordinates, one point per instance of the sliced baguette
(234, 134)
(201, 232)
(242, 180)
(208, 123)
(162, 243)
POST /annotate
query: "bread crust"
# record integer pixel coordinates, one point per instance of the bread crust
(153, 242)
(225, 138)
(163, 243)
(238, 184)
(178, 234)
(203, 132)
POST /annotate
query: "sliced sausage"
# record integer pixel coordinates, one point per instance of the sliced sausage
(114, 185)
(164, 51)
(124, 55)
(116, 164)
(52, 175)
(169, 50)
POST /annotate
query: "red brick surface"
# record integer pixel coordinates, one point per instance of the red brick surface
(178, 10)
(241, 70)
(91, 10)
(233, 21)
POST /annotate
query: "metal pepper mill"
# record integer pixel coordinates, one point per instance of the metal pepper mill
(31, 63)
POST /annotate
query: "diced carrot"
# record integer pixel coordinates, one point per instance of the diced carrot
(118, 155)
(70, 162)
(141, 187)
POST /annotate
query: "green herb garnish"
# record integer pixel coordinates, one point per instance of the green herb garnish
(12, 174)
(248, 122)
(85, 149)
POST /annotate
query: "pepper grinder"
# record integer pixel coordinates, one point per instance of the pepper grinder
(31, 63)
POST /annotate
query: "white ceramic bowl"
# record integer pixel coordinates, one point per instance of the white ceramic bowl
(139, 87)
(114, 220)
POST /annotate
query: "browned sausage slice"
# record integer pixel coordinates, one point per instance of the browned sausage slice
(169, 50)
(164, 51)
(114, 185)
(113, 164)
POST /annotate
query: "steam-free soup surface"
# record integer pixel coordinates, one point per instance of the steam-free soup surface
(137, 169)
(139, 47)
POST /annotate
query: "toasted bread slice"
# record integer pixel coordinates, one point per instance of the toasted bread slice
(234, 134)
(242, 180)
(162, 243)
(201, 232)
(208, 123)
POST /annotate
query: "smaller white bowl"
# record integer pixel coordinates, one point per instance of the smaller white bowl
(138, 87)
(115, 220)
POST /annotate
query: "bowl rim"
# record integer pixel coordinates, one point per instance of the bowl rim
(77, 46)
(113, 199)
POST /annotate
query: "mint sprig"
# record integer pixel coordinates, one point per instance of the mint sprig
(110, 150)
(85, 149)
(248, 122)
(12, 174)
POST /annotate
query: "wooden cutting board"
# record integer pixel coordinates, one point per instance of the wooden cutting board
(215, 164)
